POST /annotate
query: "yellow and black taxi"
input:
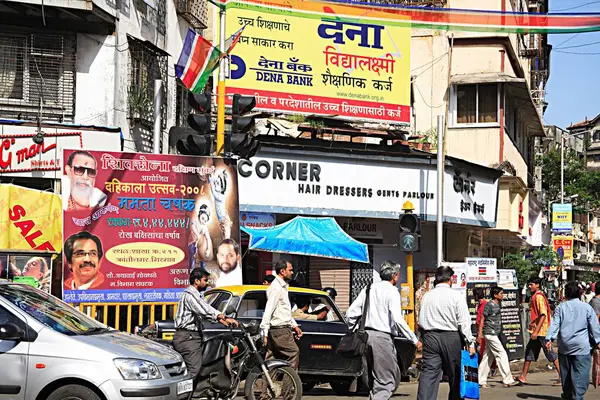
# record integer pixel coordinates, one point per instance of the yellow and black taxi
(321, 321)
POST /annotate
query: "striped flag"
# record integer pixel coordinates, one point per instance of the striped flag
(199, 58)
(482, 271)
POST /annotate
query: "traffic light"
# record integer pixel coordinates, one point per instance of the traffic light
(200, 121)
(189, 143)
(240, 141)
(410, 230)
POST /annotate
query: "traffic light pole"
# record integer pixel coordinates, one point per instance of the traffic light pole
(411, 292)
(221, 86)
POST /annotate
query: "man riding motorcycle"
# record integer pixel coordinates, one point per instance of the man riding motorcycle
(191, 310)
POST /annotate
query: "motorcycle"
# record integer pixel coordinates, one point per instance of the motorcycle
(232, 357)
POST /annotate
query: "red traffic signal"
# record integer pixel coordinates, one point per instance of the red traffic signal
(200, 102)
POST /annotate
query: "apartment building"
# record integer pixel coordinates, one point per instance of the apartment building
(590, 130)
(95, 62)
(490, 86)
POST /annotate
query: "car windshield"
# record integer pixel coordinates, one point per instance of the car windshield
(50, 311)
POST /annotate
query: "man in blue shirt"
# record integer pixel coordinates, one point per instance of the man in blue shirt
(574, 324)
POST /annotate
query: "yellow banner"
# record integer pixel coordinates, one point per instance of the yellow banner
(318, 65)
(31, 219)
(563, 246)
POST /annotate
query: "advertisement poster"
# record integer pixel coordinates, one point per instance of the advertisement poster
(356, 68)
(507, 279)
(136, 224)
(459, 279)
(30, 269)
(563, 246)
(562, 218)
(31, 219)
(481, 270)
(512, 336)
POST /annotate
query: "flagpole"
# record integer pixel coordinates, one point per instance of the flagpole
(221, 85)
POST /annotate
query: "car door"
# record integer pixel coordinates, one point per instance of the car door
(14, 357)
(318, 345)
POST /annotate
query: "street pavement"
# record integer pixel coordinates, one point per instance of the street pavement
(539, 388)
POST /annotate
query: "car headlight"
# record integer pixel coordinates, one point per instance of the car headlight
(135, 370)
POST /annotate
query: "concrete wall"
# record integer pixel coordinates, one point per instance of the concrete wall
(103, 67)
(478, 145)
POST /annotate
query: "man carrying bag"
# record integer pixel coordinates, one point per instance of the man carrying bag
(379, 308)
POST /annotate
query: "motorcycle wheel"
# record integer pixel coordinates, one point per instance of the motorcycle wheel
(288, 385)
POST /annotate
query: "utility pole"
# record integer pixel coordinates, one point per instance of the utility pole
(440, 190)
(221, 86)
(157, 120)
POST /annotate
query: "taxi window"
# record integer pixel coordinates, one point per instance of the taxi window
(218, 300)
(253, 305)
(313, 307)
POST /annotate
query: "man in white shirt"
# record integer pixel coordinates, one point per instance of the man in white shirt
(443, 320)
(278, 326)
(384, 320)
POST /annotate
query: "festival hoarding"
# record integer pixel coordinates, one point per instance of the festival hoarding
(31, 220)
(136, 224)
(357, 69)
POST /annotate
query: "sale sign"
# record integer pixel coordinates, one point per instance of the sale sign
(136, 224)
(31, 219)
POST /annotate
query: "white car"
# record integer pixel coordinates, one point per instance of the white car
(49, 350)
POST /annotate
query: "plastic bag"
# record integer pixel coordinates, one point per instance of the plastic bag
(469, 376)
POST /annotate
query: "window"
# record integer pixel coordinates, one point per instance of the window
(253, 305)
(218, 300)
(37, 69)
(597, 158)
(596, 136)
(476, 104)
(6, 317)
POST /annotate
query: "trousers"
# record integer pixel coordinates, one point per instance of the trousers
(282, 345)
(574, 375)
(441, 353)
(494, 351)
(189, 344)
(379, 361)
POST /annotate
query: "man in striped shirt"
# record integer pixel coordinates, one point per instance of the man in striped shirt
(445, 326)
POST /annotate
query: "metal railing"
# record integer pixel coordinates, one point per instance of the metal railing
(126, 317)
(195, 12)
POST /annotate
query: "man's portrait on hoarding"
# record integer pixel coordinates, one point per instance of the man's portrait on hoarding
(79, 182)
(229, 261)
(83, 254)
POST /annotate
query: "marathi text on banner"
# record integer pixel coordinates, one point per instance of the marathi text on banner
(32, 219)
(135, 225)
(360, 70)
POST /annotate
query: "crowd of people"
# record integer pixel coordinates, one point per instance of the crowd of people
(444, 330)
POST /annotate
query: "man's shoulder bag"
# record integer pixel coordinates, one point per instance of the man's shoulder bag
(354, 343)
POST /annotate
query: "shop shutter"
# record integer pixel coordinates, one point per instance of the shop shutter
(326, 272)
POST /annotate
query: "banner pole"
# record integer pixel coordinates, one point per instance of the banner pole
(221, 86)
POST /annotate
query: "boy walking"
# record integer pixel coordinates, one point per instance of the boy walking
(490, 329)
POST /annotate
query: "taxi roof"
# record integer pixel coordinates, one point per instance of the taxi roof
(239, 290)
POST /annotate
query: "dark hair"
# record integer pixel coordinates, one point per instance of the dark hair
(443, 274)
(236, 247)
(281, 264)
(269, 278)
(80, 153)
(198, 273)
(78, 236)
(572, 290)
(495, 290)
(535, 279)
(597, 288)
(302, 301)
(478, 293)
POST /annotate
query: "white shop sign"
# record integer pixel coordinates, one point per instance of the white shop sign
(361, 228)
(21, 157)
(338, 185)
(257, 220)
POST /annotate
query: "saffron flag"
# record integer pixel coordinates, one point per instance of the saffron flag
(199, 58)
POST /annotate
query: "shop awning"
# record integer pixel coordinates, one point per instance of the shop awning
(516, 88)
(319, 237)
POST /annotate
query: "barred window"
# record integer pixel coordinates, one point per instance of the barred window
(37, 72)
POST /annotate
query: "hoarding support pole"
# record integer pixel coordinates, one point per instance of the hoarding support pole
(221, 86)
(411, 293)
(156, 139)
(440, 190)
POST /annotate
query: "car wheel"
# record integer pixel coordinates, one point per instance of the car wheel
(341, 388)
(73, 392)
(307, 386)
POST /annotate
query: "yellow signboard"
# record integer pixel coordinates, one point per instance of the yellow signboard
(319, 65)
(31, 219)
(563, 246)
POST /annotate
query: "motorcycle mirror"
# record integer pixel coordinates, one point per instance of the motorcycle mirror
(230, 311)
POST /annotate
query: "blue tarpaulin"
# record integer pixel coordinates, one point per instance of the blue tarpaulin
(319, 237)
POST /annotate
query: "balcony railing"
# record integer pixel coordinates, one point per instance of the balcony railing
(195, 12)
